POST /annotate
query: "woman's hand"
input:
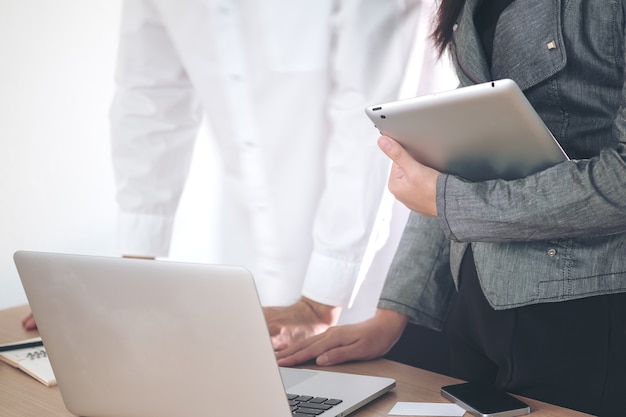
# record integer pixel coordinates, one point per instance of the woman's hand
(366, 340)
(413, 184)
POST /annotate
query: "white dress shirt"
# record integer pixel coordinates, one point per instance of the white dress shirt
(282, 85)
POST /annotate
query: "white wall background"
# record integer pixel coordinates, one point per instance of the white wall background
(56, 84)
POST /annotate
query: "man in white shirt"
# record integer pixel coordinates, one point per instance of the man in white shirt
(283, 85)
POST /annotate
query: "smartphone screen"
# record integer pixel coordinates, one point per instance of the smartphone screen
(483, 400)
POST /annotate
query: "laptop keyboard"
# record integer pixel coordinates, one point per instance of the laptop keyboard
(308, 406)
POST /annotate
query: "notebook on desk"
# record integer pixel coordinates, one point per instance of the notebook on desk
(129, 337)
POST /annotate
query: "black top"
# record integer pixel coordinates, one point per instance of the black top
(485, 19)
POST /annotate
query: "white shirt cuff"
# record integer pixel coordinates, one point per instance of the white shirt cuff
(330, 281)
(144, 234)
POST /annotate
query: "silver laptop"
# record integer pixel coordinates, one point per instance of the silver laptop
(480, 132)
(131, 338)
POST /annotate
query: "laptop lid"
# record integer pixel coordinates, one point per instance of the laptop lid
(129, 337)
(480, 132)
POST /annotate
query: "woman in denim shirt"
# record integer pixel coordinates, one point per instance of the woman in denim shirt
(526, 277)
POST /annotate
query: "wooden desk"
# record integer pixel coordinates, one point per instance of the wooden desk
(21, 395)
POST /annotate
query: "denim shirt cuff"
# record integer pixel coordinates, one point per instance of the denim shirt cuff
(442, 181)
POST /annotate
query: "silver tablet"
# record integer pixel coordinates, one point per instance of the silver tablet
(481, 132)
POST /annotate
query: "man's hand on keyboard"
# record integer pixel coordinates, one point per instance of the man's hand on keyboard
(301, 320)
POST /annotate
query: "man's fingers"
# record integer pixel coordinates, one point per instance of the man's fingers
(278, 342)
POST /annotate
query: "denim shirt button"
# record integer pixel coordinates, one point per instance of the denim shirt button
(551, 252)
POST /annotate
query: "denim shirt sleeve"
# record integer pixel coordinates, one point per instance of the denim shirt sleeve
(572, 199)
(419, 283)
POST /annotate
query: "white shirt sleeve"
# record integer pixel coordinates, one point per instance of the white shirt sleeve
(154, 122)
(371, 49)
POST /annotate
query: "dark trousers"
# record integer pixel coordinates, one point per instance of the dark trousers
(570, 353)
(423, 348)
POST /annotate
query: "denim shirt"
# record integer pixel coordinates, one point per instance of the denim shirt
(556, 235)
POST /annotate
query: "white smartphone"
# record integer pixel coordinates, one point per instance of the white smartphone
(483, 400)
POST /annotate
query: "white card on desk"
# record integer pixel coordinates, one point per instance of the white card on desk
(426, 409)
(31, 359)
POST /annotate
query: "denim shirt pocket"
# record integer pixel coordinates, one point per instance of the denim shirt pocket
(528, 44)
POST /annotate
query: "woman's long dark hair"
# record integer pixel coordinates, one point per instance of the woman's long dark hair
(447, 14)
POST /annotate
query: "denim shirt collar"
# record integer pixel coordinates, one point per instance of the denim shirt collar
(541, 55)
